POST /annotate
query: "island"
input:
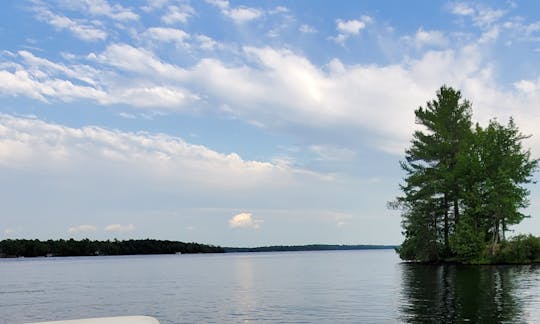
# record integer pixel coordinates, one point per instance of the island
(465, 186)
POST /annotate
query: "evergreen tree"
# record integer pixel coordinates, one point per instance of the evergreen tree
(432, 187)
(463, 188)
(498, 167)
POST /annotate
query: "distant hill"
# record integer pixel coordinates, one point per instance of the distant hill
(310, 247)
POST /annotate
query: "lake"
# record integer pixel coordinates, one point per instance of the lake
(369, 286)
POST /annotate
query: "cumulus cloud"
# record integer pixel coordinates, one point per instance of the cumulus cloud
(206, 42)
(351, 97)
(244, 220)
(348, 28)
(167, 35)
(177, 14)
(243, 14)
(119, 228)
(240, 14)
(82, 229)
(32, 144)
(428, 38)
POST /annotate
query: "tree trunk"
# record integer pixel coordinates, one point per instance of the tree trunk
(456, 211)
(446, 224)
(495, 237)
(503, 229)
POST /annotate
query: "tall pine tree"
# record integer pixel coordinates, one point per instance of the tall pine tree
(432, 191)
(463, 187)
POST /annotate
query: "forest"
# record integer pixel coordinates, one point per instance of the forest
(86, 247)
(464, 187)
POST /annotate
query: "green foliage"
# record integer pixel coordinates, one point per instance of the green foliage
(467, 243)
(463, 187)
(33, 248)
(520, 249)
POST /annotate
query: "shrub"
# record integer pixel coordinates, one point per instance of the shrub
(520, 249)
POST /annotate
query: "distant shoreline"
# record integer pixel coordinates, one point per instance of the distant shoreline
(68, 248)
(309, 247)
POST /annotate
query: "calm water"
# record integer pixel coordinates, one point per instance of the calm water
(293, 287)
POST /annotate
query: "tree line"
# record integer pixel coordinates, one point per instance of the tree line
(465, 186)
(309, 247)
(86, 247)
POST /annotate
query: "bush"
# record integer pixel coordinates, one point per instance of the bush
(466, 243)
(520, 249)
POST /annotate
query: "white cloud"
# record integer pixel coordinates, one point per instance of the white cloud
(348, 28)
(79, 28)
(304, 95)
(488, 16)
(31, 144)
(526, 86)
(82, 229)
(206, 42)
(41, 67)
(244, 220)
(221, 4)
(163, 98)
(23, 83)
(429, 38)
(243, 14)
(102, 8)
(330, 153)
(119, 228)
(306, 29)
(279, 10)
(490, 35)
(9, 231)
(152, 5)
(353, 96)
(481, 15)
(240, 14)
(44, 80)
(462, 9)
(178, 14)
(167, 35)
(129, 58)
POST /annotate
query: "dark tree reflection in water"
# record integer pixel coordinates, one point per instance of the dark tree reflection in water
(458, 293)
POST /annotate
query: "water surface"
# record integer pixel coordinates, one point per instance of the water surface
(285, 287)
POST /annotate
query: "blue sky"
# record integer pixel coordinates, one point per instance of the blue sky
(240, 123)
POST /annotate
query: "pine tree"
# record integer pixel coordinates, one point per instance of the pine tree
(432, 187)
(463, 188)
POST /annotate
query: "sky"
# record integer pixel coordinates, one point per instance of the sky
(241, 123)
